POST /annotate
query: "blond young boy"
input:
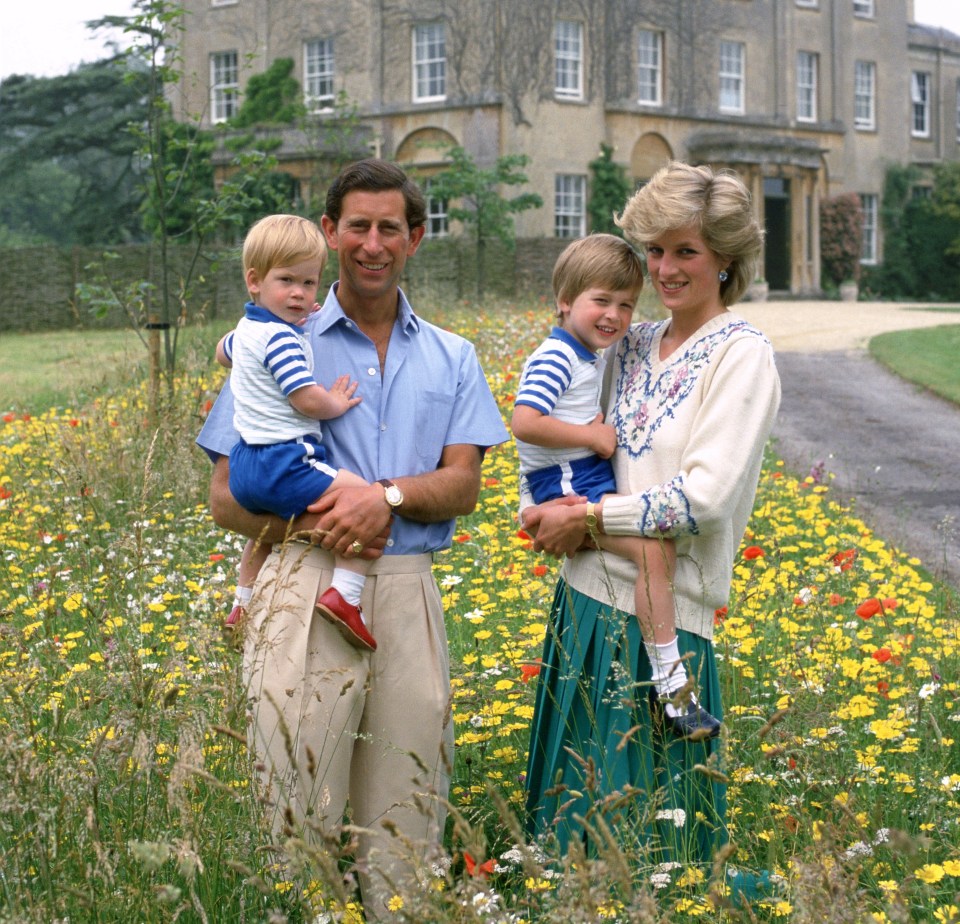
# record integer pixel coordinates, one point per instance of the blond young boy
(279, 465)
(565, 447)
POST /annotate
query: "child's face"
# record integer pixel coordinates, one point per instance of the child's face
(598, 318)
(289, 292)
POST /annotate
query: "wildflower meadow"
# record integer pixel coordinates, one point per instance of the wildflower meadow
(126, 787)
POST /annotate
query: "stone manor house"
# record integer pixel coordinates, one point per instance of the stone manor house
(805, 99)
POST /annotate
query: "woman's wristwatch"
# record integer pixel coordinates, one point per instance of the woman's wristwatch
(593, 522)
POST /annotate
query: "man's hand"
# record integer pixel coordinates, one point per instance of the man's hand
(348, 515)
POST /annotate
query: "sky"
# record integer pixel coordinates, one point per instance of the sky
(46, 38)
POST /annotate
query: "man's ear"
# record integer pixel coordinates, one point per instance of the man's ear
(416, 236)
(329, 228)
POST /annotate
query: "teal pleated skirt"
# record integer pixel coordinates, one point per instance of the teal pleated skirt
(597, 766)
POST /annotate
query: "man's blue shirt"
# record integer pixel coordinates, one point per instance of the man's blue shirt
(432, 394)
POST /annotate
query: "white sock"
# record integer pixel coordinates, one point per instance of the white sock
(242, 596)
(668, 671)
(350, 584)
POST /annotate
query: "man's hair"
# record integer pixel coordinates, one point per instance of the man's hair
(716, 205)
(599, 261)
(282, 240)
(375, 175)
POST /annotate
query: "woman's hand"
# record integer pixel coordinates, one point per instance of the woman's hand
(559, 526)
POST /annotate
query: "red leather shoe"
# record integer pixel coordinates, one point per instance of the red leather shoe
(345, 618)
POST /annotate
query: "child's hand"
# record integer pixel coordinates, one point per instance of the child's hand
(603, 437)
(314, 308)
(341, 396)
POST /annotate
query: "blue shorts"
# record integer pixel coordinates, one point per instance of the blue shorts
(281, 478)
(591, 477)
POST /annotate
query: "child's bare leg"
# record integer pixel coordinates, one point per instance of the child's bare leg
(251, 561)
(340, 602)
(656, 561)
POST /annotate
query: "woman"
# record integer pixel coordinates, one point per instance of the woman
(693, 399)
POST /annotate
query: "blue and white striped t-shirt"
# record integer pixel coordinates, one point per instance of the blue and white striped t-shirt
(561, 378)
(271, 360)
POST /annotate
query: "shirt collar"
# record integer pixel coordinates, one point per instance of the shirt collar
(258, 313)
(332, 313)
(558, 333)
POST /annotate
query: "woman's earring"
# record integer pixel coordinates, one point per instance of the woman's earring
(724, 276)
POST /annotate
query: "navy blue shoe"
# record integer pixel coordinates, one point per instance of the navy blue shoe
(694, 723)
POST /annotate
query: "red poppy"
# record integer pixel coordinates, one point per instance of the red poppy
(492, 482)
(529, 671)
(4, 493)
(869, 608)
(719, 615)
(540, 570)
(74, 422)
(836, 599)
(482, 870)
(463, 537)
(883, 687)
(9, 418)
(216, 556)
(889, 603)
(753, 551)
(882, 655)
(523, 534)
(843, 561)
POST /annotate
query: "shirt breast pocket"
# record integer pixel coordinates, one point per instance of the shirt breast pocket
(434, 409)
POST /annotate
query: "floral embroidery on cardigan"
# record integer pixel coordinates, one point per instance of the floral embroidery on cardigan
(647, 400)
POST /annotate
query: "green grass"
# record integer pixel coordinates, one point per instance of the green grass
(927, 356)
(66, 368)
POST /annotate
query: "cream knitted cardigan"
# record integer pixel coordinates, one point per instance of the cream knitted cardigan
(691, 433)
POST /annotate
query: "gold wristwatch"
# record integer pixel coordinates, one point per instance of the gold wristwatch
(391, 493)
(593, 524)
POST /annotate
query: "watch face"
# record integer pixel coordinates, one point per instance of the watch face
(393, 495)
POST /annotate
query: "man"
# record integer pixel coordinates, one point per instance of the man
(334, 723)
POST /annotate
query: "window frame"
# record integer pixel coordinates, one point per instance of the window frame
(437, 224)
(864, 9)
(865, 97)
(429, 86)
(735, 80)
(568, 59)
(809, 4)
(808, 66)
(569, 205)
(224, 93)
(655, 69)
(920, 103)
(870, 207)
(319, 102)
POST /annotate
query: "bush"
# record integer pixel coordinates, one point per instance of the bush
(841, 238)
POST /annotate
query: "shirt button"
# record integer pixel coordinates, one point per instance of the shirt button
(371, 371)
(390, 543)
(383, 426)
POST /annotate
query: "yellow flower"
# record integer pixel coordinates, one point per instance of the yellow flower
(930, 873)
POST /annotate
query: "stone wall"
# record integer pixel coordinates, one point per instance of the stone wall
(38, 285)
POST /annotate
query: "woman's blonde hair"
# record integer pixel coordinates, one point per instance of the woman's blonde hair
(716, 204)
(282, 240)
(598, 261)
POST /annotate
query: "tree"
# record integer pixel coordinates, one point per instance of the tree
(609, 191)
(271, 98)
(71, 131)
(474, 198)
(172, 159)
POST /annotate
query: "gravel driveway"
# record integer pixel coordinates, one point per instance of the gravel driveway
(893, 448)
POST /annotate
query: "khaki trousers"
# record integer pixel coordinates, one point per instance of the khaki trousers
(333, 725)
